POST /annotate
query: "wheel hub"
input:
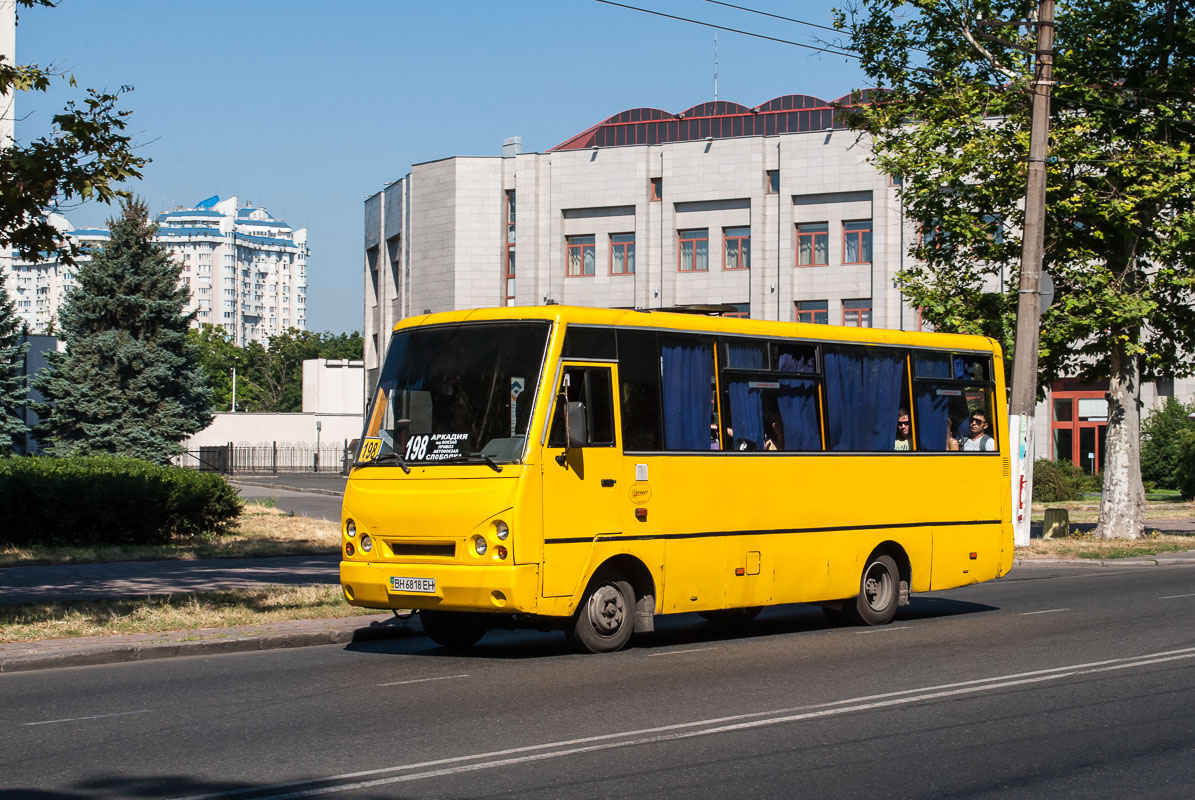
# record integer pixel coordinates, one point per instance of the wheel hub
(607, 611)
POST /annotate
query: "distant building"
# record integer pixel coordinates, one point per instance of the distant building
(772, 212)
(246, 271)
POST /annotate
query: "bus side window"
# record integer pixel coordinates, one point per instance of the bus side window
(863, 394)
(591, 387)
(639, 390)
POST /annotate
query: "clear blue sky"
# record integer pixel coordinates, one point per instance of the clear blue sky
(308, 107)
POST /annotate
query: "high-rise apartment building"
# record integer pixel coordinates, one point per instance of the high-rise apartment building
(245, 270)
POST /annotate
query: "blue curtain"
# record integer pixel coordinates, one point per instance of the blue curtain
(799, 414)
(862, 398)
(933, 418)
(746, 409)
(688, 369)
(796, 363)
(931, 366)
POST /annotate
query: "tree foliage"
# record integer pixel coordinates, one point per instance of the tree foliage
(129, 382)
(953, 120)
(13, 385)
(269, 377)
(85, 156)
(1162, 435)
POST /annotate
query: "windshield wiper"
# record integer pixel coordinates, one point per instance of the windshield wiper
(386, 458)
(488, 460)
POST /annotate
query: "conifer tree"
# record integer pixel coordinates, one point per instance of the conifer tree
(13, 386)
(129, 382)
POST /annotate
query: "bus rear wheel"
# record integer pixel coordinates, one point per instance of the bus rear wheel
(606, 618)
(879, 592)
(452, 628)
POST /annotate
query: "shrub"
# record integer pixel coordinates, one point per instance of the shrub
(1186, 465)
(1057, 481)
(1161, 442)
(93, 500)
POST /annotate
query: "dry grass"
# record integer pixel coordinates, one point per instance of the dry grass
(261, 531)
(29, 622)
(1086, 546)
(1089, 510)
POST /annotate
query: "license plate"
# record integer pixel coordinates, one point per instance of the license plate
(422, 585)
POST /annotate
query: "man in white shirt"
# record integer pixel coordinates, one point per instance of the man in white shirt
(978, 440)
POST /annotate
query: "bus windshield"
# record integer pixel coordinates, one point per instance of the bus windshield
(455, 393)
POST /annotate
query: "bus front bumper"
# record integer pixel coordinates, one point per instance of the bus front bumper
(456, 587)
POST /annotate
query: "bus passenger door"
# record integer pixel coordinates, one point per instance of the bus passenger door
(581, 493)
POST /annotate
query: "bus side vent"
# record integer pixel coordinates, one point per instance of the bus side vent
(1007, 469)
(423, 549)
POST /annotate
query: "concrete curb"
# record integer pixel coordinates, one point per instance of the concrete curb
(284, 487)
(1160, 561)
(57, 653)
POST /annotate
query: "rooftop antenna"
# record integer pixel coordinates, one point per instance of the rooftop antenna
(715, 67)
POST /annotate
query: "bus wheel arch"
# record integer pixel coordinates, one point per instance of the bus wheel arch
(618, 600)
(883, 585)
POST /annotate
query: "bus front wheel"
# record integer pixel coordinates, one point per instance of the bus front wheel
(606, 618)
(452, 628)
(879, 592)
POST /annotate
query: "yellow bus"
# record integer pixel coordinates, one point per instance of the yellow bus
(587, 469)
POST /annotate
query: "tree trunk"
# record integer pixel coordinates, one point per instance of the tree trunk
(1122, 509)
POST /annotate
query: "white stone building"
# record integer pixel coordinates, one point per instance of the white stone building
(772, 212)
(246, 271)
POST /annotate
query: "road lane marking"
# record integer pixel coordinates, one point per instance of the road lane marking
(678, 652)
(94, 716)
(1172, 596)
(538, 752)
(424, 680)
(1047, 611)
(883, 628)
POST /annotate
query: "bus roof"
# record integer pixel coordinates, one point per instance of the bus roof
(682, 322)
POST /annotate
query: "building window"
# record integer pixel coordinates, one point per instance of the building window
(694, 250)
(580, 255)
(813, 244)
(856, 313)
(856, 242)
(736, 248)
(773, 181)
(508, 278)
(622, 254)
(655, 189)
(815, 311)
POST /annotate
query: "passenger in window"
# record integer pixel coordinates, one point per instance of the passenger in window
(904, 438)
(773, 433)
(978, 440)
(951, 442)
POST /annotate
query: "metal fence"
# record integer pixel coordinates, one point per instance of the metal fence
(269, 457)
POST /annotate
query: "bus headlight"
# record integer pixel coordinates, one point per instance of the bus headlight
(366, 543)
(350, 529)
(479, 545)
(501, 531)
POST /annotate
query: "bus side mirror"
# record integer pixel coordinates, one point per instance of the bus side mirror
(574, 425)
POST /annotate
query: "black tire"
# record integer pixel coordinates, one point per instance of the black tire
(731, 616)
(605, 618)
(455, 629)
(879, 592)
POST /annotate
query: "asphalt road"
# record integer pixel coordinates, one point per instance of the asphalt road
(1059, 682)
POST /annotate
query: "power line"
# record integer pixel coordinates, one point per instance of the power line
(774, 16)
(731, 30)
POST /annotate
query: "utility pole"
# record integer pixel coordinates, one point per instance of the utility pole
(1024, 366)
